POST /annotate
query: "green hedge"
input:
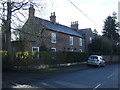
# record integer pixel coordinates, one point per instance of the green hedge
(44, 58)
(75, 57)
(4, 58)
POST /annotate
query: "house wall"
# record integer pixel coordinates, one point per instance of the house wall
(31, 30)
(86, 38)
(24, 45)
(62, 42)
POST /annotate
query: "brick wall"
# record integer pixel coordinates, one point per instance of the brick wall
(87, 41)
(62, 42)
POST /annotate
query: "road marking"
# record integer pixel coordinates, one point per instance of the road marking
(110, 75)
(97, 86)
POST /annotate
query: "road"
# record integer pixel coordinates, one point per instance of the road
(93, 77)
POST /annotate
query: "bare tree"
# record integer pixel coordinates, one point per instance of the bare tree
(9, 9)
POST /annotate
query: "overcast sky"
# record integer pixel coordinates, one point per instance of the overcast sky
(97, 10)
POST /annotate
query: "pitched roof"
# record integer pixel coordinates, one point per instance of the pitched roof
(84, 31)
(58, 27)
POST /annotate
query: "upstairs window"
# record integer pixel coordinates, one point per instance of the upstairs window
(53, 38)
(90, 39)
(35, 49)
(80, 42)
(71, 40)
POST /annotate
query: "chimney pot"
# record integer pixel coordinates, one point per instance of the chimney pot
(54, 13)
(74, 25)
(53, 17)
(31, 11)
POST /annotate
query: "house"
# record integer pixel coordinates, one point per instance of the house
(39, 34)
(88, 37)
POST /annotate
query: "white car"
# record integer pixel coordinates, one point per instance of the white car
(96, 60)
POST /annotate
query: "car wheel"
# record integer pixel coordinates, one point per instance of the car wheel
(99, 65)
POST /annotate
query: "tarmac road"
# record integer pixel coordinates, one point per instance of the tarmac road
(92, 77)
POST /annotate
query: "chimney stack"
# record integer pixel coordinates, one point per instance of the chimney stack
(74, 25)
(31, 11)
(53, 17)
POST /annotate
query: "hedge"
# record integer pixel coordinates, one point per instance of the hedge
(43, 58)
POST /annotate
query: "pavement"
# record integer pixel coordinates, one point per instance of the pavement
(14, 78)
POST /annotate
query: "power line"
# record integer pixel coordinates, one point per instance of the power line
(83, 13)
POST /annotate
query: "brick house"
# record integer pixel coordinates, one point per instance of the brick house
(88, 36)
(39, 34)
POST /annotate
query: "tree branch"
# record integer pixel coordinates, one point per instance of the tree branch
(20, 6)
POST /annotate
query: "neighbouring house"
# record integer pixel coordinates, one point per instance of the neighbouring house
(88, 37)
(39, 34)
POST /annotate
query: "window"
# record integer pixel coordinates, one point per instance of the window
(35, 49)
(80, 41)
(53, 38)
(90, 40)
(71, 40)
(53, 49)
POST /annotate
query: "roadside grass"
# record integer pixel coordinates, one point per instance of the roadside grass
(47, 69)
(51, 69)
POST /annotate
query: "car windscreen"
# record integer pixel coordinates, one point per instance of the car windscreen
(93, 57)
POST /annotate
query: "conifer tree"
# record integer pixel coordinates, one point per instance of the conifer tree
(110, 28)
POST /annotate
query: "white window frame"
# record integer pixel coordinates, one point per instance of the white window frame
(54, 49)
(90, 39)
(53, 37)
(71, 40)
(36, 51)
(36, 48)
(80, 41)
